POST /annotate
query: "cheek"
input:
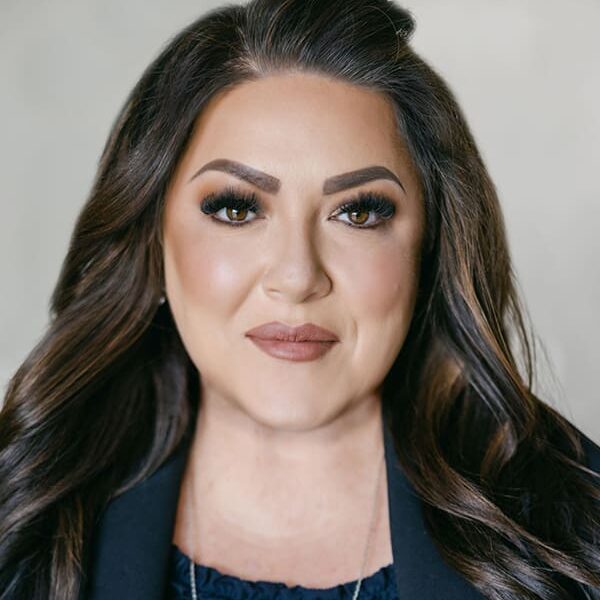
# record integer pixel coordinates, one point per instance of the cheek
(200, 271)
(383, 282)
(380, 297)
(206, 282)
(201, 274)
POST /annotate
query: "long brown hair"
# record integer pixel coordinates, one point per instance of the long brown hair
(107, 394)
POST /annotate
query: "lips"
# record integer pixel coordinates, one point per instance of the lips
(303, 343)
(308, 332)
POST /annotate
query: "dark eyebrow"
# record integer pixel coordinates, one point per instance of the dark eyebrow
(271, 184)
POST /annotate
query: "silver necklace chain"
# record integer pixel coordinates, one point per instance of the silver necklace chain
(192, 569)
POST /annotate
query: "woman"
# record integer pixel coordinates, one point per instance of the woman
(280, 357)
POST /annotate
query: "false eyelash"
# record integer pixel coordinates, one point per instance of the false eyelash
(229, 197)
(367, 202)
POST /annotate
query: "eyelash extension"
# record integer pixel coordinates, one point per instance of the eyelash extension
(369, 202)
(229, 197)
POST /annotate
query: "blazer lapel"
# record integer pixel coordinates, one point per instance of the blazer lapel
(132, 542)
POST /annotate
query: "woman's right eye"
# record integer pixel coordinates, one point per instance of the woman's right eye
(233, 206)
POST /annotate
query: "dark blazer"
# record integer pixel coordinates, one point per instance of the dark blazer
(130, 553)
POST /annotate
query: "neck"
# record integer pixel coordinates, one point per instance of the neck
(269, 485)
(253, 454)
(292, 506)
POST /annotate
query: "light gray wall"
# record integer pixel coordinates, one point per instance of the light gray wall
(525, 72)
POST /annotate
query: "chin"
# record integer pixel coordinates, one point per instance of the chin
(288, 416)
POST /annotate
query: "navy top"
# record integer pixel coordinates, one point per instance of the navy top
(211, 584)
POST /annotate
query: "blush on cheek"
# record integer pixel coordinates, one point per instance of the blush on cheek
(387, 283)
(207, 274)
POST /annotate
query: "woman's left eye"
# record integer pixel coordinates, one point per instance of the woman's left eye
(367, 202)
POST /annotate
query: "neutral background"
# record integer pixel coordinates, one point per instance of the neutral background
(526, 73)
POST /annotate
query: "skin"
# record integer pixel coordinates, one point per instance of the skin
(286, 454)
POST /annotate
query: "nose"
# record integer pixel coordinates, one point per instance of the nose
(295, 271)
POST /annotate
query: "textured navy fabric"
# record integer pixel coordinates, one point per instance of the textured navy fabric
(211, 584)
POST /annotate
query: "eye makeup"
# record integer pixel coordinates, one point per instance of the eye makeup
(237, 203)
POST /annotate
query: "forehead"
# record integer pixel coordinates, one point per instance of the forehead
(296, 123)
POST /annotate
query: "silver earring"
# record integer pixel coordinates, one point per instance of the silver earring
(162, 299)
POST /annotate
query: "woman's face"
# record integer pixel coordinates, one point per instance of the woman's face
(295, 257)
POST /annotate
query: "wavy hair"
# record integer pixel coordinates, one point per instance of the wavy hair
(107, 394)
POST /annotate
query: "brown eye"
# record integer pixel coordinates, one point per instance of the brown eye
(231, 207)
(357, 212)
(359, 221)
(235, 214)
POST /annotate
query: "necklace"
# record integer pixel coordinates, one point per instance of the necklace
(192, 570)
